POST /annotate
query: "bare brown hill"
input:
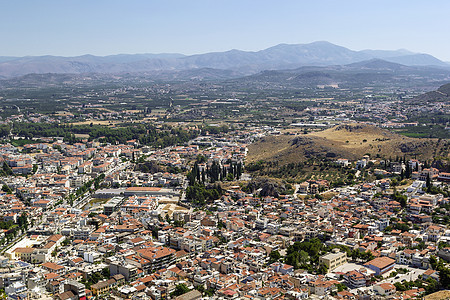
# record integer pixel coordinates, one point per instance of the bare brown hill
(442, 94)
(439, 295)
(350, 141)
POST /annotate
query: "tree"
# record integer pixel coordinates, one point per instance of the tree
(203, 176)
(367, 256)
(433, 262)
(230, 177)
(209, 292)
(7, 189)
(274, 256)
(444, 276)
(200, 159)
(199, 194)
(3, 294)
(214, 172)
(306, 255)
(178, 223)
(432, 286)
(402, 226)
(7, 169)
(106, 273)
(155, 230)
(402, 199)
(400, 287)
(239, 170)
(221, 224)
(341, 287)
(180, 289)
(22, 221)
(322, 269)
(303, 258)
(408, 171)
(55, 252)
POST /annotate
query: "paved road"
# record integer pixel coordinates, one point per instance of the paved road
(80, 204)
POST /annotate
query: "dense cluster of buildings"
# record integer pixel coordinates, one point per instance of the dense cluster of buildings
(132, 235)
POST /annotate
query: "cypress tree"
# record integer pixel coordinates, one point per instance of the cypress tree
(408, 171)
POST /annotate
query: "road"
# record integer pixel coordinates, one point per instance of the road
(20, 237)
(80, 204)
(85, 200)
(119, 167)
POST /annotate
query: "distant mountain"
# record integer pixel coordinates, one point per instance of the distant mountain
(386, 53)
(7, 58)
(406, 57)
(283, 56)
(368, 73)
(417, 60)
(378, 64)
(91, 79)
(373, 72)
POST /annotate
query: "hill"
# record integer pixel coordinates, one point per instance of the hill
(373, 72)
(370, 73)
(442, 94)
(438, 295)
(379, 64)
(350, 141)
(283, 56)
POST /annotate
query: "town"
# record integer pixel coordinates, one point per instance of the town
(125, 221)
(213, 150)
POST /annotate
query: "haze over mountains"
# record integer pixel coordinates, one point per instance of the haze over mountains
(366, 73)
(282, 56)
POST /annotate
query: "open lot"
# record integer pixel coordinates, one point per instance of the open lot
(412, 275)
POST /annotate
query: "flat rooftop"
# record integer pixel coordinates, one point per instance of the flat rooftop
(333, 255)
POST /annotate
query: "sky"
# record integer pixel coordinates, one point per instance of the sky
(105, 27)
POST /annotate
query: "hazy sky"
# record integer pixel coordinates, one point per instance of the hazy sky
(103, 27)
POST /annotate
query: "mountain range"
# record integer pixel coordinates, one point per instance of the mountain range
(369, 73)
(283, 56)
